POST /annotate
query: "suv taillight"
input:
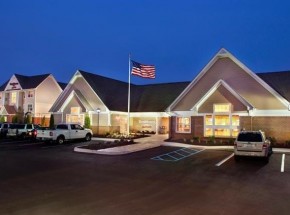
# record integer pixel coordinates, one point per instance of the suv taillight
(264, 146)
(235, 144)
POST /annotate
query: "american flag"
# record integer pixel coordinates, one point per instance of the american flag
(142, 70)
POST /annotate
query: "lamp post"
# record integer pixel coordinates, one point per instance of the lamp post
(98, 125)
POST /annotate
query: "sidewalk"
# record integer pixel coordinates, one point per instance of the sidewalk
(153, 142)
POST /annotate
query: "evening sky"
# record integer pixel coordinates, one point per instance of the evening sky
(178, 37)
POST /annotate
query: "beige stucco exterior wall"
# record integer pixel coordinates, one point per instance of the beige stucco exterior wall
(81, 85)
(74, 102)
(221, 95)
(45, 95)
(239, 80)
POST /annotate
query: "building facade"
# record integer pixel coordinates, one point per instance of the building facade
(105, 102)
(32, 95)
(226, 97)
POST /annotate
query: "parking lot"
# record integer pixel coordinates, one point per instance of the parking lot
(52, 179)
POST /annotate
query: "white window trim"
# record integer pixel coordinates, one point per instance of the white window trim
(182, 132)
(213, 126)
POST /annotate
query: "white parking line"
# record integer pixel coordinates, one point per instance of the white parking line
(282, 163)
(224, 160)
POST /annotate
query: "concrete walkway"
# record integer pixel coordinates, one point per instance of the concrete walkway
(155, 141)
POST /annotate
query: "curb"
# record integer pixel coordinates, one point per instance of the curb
(122, 150)
(119, 150)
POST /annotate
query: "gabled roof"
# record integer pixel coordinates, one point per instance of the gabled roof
(113, 93)
(279, 81)
(144, 98)
(214, 88)
(224, 54)
(3, 86)
(155, 97)
(9, 109)
(62, 85)
(30, 82)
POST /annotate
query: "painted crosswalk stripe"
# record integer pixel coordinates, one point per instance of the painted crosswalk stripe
(177, 155)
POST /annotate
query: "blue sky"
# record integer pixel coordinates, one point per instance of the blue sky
(178, 37)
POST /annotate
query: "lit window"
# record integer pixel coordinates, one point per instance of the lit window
(208, 120)
(208, 132)
(222, 120)
(222, 132)
(235, 132)
(222, 108)
(30, 94)
(183, 124)
(13, 97)
(235, 120)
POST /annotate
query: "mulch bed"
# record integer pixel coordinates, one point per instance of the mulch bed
(108, 144)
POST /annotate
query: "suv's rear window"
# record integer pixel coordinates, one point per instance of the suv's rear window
(250, 137)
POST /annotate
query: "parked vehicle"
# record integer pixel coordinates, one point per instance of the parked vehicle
(4, 129)
(253, 144)
(64, 132)
(21, 130)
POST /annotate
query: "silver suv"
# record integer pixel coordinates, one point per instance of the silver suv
(252, 143)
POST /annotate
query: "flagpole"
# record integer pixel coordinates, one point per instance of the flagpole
(129, 96)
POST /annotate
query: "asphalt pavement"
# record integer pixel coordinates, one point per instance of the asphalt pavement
(153, 142)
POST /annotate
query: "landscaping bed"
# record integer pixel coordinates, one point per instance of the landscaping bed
(100, 144)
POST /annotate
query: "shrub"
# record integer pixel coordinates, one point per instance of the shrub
(273, 140)
(28, 119)
(87, 121)
(2, 119)
(197, 139)
(212, 139)
(43, 121)
(51, 121)
(15, 119)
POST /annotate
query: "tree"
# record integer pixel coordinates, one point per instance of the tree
(2, 119)
(43, 121)
(51, 121)
(87, 121)
(20, 115)
(15, 119)
(28, 118)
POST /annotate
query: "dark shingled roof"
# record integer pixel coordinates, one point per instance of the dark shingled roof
(62, 85)
(144, 98)
(155, 97)
(279, 81)
(30, 82)
(3, 86)
(112, 92)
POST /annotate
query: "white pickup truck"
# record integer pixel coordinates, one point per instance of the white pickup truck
(64, 132)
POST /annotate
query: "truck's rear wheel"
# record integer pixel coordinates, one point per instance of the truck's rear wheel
(60, 140)
(88, 137)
